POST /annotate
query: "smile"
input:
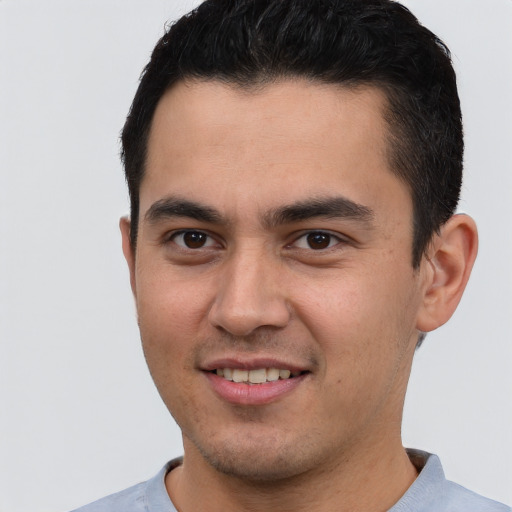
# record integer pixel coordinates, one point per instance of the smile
(255, 376)
(256, 385)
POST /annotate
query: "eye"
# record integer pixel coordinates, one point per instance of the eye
(317, 240)
(193, 239)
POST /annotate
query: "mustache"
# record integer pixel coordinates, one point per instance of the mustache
(265, 340)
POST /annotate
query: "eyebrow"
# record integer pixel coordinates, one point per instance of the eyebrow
(173, 207)
(338, 207)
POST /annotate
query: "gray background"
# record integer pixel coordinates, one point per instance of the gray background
(79, 415)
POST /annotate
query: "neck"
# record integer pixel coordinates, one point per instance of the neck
(372, 480)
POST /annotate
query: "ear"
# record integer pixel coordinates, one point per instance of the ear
(448, 263)
(128, 250)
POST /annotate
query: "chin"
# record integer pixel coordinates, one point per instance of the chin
(258, 458)
(268, 469)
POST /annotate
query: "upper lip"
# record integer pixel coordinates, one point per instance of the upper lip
(252, 363)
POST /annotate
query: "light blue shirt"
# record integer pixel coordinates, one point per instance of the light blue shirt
(430, 492)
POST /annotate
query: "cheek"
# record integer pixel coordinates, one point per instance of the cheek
(360, 321)
(169, 304)
(171, 319)
(339, 307)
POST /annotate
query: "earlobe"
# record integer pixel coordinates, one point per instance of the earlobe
(449, 262)
(128, 251)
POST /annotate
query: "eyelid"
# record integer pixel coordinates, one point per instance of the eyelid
(339, 239)
(172, 235)
(214, 240)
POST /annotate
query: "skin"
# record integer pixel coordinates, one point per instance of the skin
(348, 315)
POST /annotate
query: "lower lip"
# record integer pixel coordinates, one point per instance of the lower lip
(240, 393)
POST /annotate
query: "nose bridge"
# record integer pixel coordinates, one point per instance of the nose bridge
(249, 294)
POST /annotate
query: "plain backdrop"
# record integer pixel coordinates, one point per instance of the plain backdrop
(79, 415)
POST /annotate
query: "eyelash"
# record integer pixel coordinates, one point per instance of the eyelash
(323, 236)
(183, 232)
(332, 240)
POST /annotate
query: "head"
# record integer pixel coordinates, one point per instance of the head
(350, 43)
(289, 165)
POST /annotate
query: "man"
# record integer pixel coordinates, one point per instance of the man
(294, 168)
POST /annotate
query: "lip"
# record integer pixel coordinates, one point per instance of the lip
(252, 364)
(240, 393)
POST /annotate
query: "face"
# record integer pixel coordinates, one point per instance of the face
(276, 297)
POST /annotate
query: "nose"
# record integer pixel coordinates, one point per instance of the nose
(249, 295)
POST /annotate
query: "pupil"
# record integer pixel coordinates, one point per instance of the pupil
(319, 240)
(194, 239)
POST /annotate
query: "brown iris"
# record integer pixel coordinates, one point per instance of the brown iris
(319, 240)
(194, 239)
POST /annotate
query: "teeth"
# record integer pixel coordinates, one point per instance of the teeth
(272, 374)
(258, 376)
(240, 375)
(284, 374)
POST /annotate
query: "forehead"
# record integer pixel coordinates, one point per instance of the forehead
(297, 137)
(296, 110)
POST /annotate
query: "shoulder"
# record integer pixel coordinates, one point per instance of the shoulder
(458, 498)
(129, 500)
(149, 496)
(432, 492)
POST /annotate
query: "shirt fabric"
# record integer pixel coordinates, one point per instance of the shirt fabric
(430, 492)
